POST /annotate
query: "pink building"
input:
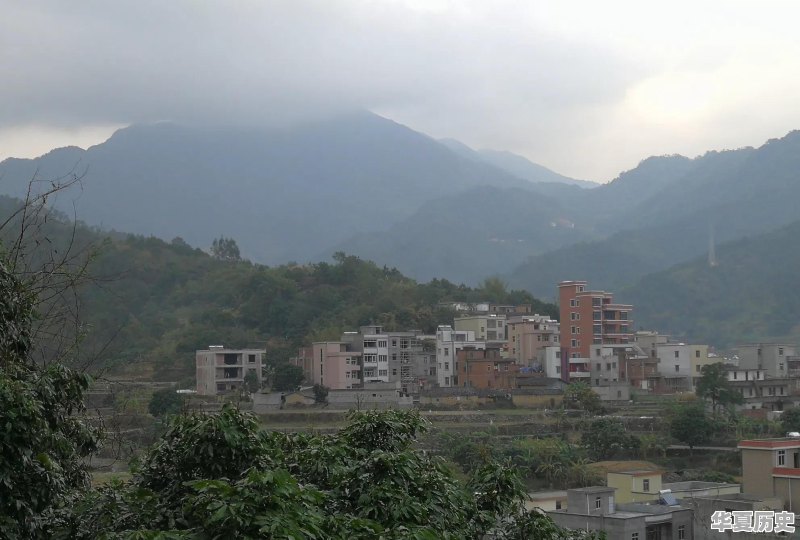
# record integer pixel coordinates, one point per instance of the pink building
(334, 366)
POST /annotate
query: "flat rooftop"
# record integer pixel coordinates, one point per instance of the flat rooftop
(768, 444)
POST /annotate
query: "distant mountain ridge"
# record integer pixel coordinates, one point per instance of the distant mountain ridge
(738, 193)
(515, 164)
(283, 194)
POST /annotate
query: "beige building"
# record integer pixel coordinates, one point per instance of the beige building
(486, 327)
(529, 335)
(635, 486)
(771, 468)
(221, 370)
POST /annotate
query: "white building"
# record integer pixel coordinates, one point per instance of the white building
(448, 341)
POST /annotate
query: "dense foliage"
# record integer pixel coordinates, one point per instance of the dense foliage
(713, 385)
(152, 303)
(215, 476)
(606, 438)
(691, 425)
(42, 442)
(222, 476)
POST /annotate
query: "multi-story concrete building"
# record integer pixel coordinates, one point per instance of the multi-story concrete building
(410, 364)
(486, 369)
(771, 468)
(606, 372)
(760, 391)
(595, 509)
(589, 318)
(678, 364)
(373, 344)
(528, 335)
(335, 365)
(486, 327)
(771, 357)
(675, 365)
(448, 342)
(221, 370)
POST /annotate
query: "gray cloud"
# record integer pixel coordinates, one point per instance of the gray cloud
(489, 73)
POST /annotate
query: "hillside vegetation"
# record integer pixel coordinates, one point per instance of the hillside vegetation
(153, 303)
(751, 294)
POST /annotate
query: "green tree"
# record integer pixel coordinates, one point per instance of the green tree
(251, 381)
(43, 441)
(215, 476)
(790, 420)
(713, 385)
(580, 394)
(691, 425)
(607, 437)
(320, 393)
(287, 377)
(225, 249)
(165, 401)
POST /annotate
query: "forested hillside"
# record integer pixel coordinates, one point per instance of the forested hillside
(750, 295)
(152, 303)
(678, 203)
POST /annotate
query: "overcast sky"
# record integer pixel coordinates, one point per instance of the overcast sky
(586, 88)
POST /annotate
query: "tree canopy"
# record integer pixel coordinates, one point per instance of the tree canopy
(713, 385)
(691, 425)
(606, 438)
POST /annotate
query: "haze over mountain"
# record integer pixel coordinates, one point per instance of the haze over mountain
(515, 164)
(470, 235)
(368, 186)
(734, 194)
(283, 194)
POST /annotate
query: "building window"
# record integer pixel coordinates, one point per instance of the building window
(597, 352)
(447, 351)
(597, 501)
(780, 366)
(571, 302)
(677, 354)
(251, 358)
(574, 342)
(697, 368)
(681, 532)
(677, 368)
(780, 351)
(781, 458)
(447, 365)
(697, 353)
(558, 369)
(558, 505)
(645, 485)
(635, 536)
(608, 366)
(598, 366)
(580, 288)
